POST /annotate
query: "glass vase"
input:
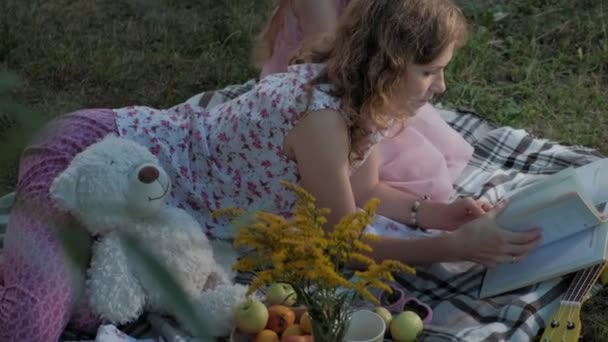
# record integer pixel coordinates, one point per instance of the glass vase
(329, 331)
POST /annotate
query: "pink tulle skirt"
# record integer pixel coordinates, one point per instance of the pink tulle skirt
(426, 157)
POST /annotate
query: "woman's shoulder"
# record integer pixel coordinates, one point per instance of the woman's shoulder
(297, 74)
(294, 87)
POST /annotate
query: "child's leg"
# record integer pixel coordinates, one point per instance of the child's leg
(39, 290)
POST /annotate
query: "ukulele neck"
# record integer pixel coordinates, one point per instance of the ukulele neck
(565, 325)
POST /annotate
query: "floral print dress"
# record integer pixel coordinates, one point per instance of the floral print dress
(230, 155)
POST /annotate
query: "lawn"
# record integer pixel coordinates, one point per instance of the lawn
(538, 65)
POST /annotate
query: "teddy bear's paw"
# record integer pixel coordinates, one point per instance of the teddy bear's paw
(218, 307)
(225, 256)
(116, 304)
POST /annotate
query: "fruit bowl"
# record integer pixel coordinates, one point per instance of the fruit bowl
(239, 336)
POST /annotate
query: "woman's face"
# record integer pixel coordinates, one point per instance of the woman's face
(421, 82)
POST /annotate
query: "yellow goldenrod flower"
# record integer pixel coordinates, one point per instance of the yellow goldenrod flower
(301, 252)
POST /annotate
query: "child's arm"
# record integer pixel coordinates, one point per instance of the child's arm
(316, 16)
(397, 204)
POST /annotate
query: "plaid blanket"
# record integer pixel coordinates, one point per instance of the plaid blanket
(504, 159)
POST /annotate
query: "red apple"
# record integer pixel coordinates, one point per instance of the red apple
(251, 316)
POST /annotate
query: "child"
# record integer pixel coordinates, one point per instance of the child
(292, 23)
(315, 125)
(424, 157)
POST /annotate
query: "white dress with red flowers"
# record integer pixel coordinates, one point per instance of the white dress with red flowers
(230, 155)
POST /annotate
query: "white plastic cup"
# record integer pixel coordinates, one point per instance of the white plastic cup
(365, 326)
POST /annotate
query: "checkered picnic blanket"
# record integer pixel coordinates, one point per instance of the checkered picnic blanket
(504, 159)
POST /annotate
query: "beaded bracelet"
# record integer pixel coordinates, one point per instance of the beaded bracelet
(414, 211)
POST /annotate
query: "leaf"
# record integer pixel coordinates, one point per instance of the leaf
(27, 123)
(78, 246)
(75, 241)
(22, 115)
(170, 289)
(9, 81)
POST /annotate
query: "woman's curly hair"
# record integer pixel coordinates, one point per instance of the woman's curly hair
(369, 54)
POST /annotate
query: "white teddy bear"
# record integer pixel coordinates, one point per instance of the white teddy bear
(117, 186)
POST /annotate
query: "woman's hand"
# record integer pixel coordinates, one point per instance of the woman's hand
(484, 242)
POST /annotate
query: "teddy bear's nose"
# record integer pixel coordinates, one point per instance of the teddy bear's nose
(148, 174)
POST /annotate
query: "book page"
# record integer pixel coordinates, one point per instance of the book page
(562, 204)
(594, 179)
(558, 219)
(590, 181)
(553, 260)
(544, 191)
(546, 183)
(602, 208)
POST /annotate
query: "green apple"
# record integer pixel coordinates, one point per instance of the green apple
(406, 327)
(281, 294)
(251, 316)
(386, 315)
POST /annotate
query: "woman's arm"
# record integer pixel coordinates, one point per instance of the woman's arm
(480, 241)
(319, 145)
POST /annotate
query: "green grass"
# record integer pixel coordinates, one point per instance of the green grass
(539, 65)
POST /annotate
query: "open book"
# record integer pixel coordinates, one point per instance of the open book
(569, 206)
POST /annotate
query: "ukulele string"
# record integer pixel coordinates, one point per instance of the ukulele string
(565, 300)
(588, 275)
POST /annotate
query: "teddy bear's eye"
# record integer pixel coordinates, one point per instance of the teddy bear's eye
(112, 162)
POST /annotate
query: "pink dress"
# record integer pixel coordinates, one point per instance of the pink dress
(425, 158)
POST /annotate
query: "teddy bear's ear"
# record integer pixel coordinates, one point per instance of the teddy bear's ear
(63, 190)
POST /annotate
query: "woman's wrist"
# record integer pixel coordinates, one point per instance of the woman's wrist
(454, 249)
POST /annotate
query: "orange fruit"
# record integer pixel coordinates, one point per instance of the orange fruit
(292, 330)
(306, 323)
(279, 318)
(299, 338)
(267, 335)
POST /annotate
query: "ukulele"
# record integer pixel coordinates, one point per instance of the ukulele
(565, 324)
